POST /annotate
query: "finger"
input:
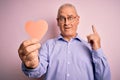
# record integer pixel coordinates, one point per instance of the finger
(27, 43)
(30, 42)
(93, 29)
(31, 48)
(32, 55)
(32, 64)
(90, 38)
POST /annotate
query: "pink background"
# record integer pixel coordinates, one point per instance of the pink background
(104, 14)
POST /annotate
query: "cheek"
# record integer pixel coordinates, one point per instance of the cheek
(74, 27)
(61, 27)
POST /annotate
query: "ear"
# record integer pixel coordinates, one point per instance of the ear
(78, 19)
(57, 21)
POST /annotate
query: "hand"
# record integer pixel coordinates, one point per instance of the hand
(28, 53)
(94, 39)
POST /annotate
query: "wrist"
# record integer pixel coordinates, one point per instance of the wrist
(32, 64)
(96, 46)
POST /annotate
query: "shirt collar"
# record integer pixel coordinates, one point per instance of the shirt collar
(60, 37)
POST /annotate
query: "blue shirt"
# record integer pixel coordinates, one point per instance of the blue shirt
(73, 60)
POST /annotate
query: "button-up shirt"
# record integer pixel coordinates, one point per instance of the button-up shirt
(70, 60)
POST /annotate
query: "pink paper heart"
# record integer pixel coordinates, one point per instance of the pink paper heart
(36, 29)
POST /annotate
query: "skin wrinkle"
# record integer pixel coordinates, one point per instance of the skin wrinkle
(68, 30)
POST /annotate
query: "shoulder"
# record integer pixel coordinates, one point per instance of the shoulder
(48, 46)
(85, 43)
(49, 42)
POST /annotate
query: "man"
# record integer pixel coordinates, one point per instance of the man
(66, 57)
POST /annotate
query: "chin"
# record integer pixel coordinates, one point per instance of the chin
(68, 34)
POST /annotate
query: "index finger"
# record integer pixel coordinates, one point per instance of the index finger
(93, 29)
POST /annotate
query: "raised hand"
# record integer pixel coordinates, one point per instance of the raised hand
(94, 39)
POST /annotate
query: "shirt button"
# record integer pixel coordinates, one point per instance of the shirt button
(68, 75)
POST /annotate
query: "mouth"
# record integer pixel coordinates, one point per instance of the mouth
(67, 27)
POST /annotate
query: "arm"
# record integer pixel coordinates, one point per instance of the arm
(41, 68)
(101, 67)
(100, 64)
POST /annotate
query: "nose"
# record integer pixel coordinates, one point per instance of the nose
(66, 22)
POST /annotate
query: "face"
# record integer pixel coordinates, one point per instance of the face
(68, 21)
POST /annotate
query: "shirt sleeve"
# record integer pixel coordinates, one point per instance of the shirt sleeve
(42, 67)
(101, 66)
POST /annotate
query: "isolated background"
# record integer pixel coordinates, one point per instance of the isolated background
(104, 14)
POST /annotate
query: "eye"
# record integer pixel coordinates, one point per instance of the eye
(61, 18)
(70, 18)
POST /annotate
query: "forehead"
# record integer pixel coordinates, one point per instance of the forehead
(67, 11)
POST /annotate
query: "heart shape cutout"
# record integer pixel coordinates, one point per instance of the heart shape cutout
(36, 29)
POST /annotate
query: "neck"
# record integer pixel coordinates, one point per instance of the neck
(68, 38)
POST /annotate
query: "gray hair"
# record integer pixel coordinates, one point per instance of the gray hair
(67, 5)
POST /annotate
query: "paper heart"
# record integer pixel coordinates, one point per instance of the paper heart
(36, 29)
